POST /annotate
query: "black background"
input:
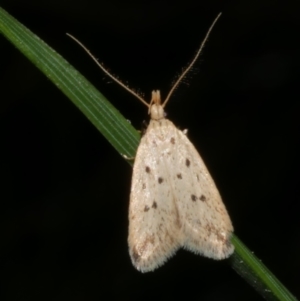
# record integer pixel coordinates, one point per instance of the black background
(65, 190)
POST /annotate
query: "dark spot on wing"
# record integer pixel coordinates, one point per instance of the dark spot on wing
(198, 178)
(135, 255)
(187, 162)
(172, 140)
(179, 176)
(198, 222)
(144, 186)
(146, 208)
(160, 180)
(202, 198)
(194, 198)
(154, 205)
(150, 239)
(159, 123)
(208, 228)
(147, 169)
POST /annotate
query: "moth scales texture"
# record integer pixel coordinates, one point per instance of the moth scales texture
(174, 202)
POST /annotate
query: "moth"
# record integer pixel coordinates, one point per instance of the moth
(174, 202)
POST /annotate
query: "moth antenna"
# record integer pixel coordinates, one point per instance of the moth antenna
(106, 71)
(184, 73)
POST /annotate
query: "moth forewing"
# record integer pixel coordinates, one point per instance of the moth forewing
(174, 201)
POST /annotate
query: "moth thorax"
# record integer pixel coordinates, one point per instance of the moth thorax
(157, 112)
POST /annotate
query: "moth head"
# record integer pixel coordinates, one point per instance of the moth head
(156, 110)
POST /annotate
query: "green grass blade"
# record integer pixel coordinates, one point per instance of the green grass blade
(247, 265)
(120, 134)
(105, 117)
